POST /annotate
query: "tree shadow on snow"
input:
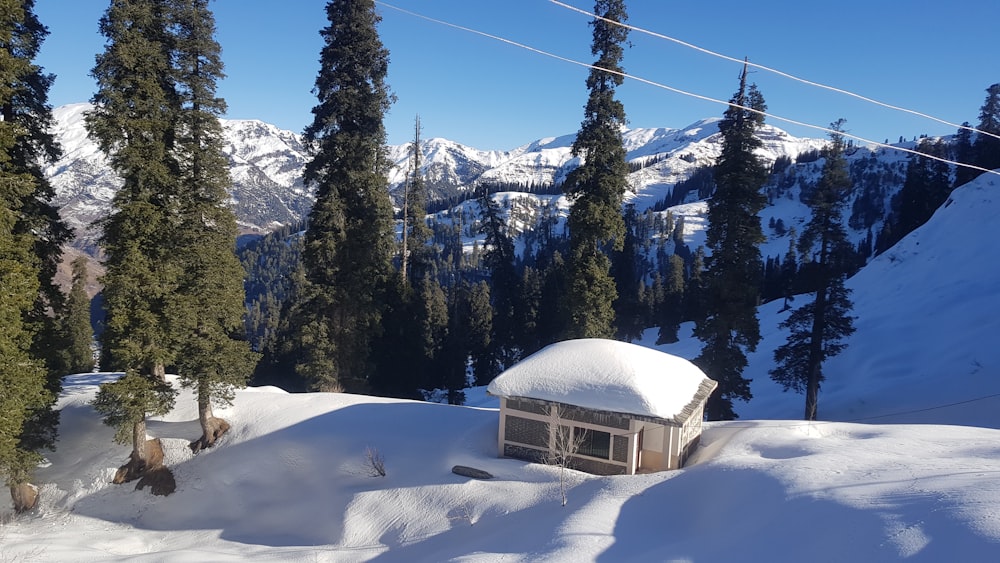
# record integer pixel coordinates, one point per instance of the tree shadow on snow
(293, 487)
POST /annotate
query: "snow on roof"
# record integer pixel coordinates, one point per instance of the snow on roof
(606, 375)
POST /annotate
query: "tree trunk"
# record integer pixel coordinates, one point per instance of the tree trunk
(212, 428)
(138, 459)
(139, 443)
(159, 371)
(816, 353)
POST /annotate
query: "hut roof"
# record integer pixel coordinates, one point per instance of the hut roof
(608, 375)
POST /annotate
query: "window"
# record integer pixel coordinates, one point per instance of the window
(593, 443)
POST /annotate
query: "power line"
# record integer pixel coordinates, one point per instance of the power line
(773, 70)
(683, 92)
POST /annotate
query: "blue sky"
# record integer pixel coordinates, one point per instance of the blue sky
(478, 91)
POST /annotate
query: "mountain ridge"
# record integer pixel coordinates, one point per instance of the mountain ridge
(266, 165)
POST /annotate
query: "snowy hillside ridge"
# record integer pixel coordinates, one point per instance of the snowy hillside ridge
(289, 483)
(927, 315)
(604, 375)
(266, 166)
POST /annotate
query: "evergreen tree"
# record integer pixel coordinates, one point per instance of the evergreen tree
(416, 253)
(27, 106)
(964, 153)
(476, 322)
(207, 309)
(22, 377)
(133, 123)
(925, 188)
(818, 328)
(733, 278)
(627, 271)
(31, 237)
(987, 147)
(597, 186)
(505, 290)
(349, 242)
(789, 269)
(79, 358)
(670, 313)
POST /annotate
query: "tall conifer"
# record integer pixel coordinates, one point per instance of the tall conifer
(30, 239)
(207, 309)
(987, 148)
(79, 357)
(732, 280)
(28, 107)
(597, 186)
(818, 328)
(133, 122)
(349, 241)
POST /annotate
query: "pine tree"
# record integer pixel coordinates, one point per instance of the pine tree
(987, 148)
(505, 287)
(206, 312)
(417, 255)
(925, 188)
(818, 328)
(789, 269)
(349, 241)
(133, 122)
(79, 358)
(597, 186)
(670, 312)
(31, 236)
(28, 107)
(476, 322)
(732, 280)
(22, 378)
(628, 273)
(964, 153)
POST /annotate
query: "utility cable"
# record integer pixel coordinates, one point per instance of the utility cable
(773, 70)
(683, 92)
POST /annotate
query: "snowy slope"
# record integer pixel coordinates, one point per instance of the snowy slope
(928, 312)
(289, 483)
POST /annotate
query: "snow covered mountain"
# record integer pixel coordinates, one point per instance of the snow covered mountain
(266, 165)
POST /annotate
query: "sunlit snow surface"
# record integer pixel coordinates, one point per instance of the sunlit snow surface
(289, 482)
(605, 375)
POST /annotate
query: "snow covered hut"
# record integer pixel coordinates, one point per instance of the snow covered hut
(630, 408)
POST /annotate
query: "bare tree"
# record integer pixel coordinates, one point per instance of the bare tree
(565, 443)
(374, 462)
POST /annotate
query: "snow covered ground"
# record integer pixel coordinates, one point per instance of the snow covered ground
(290, 483)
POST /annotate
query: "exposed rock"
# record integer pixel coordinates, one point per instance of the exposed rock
(136, 469)
(24, 497)
(471, 472)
